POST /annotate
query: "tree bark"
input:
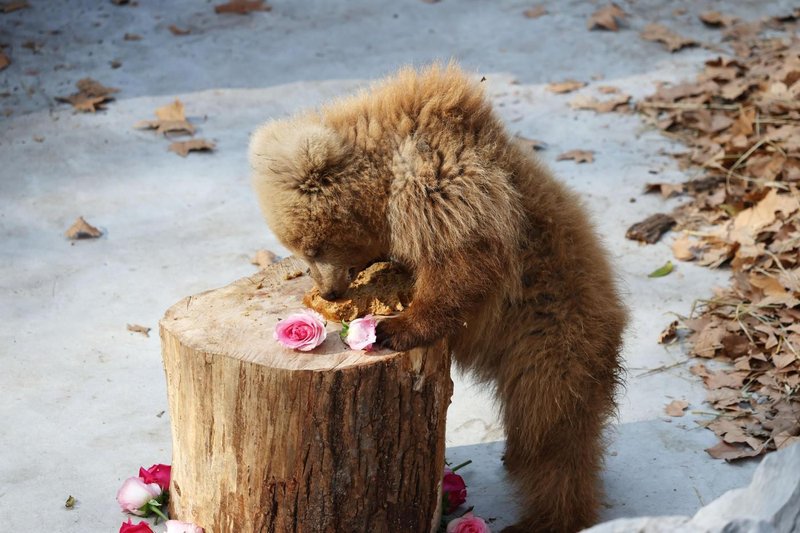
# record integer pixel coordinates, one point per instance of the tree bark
(266, 439)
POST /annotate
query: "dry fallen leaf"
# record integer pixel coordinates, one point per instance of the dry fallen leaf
(669, 334)
(750, 221)
(532, 144)
(70, 502)
(535, 12)
(566, 86)
(8, 7)
(579, 156)
(136, 328)
(676, 408)
(607, 18)
(80, 229)
(650, 229)
(171, 119)
(173, 112)
(4, 60)
(716, 19)
(614, 103)
(667, 190)
(729, 452)
(242, 7)
(183, 148)
(91, 96)
(683, 248)
(744, 31)
(720, 379)
(264, 258)
(132, 37)
(662, 34)
(178, 31)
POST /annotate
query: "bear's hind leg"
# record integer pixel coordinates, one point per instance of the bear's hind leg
(554, 423)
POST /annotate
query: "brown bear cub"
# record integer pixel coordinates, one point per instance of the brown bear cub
(505, 262)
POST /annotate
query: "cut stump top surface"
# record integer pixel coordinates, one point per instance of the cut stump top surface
(238, 321)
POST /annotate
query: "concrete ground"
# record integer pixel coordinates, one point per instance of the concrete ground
(83, 400)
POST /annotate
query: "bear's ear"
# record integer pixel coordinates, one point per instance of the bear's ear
(296, 154)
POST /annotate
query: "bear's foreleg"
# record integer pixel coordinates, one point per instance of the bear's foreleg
(446, 289)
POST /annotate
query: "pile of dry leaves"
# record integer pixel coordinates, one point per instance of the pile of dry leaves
(741, 121)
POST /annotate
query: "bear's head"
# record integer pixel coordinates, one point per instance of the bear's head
(320, 200)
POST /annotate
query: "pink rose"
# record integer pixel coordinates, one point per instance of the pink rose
(302, 331)
(468, 524)
(134, 495)
(141, 527)
(360, 333)
(454, 491)
(176, 526)
(158, 474)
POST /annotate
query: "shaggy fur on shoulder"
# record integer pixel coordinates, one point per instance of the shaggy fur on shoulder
(506, 263)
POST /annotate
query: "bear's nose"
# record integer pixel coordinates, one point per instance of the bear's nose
(330, 295)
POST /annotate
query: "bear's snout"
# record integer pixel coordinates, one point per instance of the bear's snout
(330, 295)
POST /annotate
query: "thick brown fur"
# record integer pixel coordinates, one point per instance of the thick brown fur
(506, 263)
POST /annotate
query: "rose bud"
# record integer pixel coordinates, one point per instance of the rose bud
(360, 333)
(468, 524)
(134, 494)
(158, 474)
(141, 527)
(454, 491)
(176, 526)
(302, 331)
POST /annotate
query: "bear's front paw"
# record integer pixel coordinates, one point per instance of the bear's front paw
(396, 334)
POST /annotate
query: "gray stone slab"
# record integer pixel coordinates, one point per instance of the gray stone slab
(769, 504)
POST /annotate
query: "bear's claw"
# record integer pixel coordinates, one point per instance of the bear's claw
(394, 334)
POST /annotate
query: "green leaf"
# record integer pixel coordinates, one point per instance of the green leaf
(153, 507)
(70, 503)
(661, 272)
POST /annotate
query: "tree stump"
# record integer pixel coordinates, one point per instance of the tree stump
(269, 439)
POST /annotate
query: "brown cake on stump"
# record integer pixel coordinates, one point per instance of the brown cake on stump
(382, 289)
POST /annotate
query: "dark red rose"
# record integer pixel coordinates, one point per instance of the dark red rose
(156, 474)
(141, 527)
(454, 491)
